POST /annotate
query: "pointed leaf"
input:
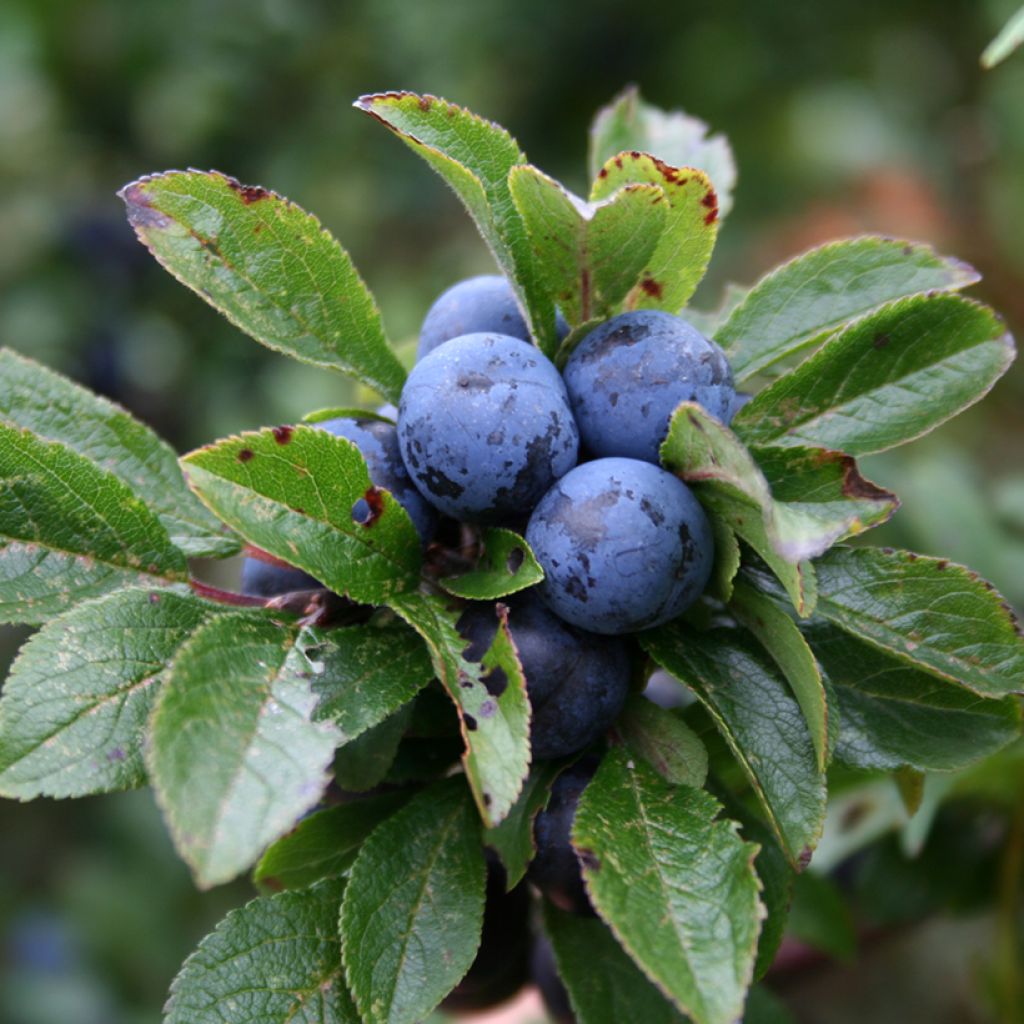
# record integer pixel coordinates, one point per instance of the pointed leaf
(779, 636)
(76, 701)
(664, 741)
(234, 755)
(794, 307)
(70, 530)
(269, 267)
(305, 496)
(759, 719)
(489, 690)
(691, 226)
(324, 844)
(506, 566)
(628, 123)
(941, 617)
(55, 408)
(363, 763)
(413, 908)
(364, 673)
(604, 985)
(886, 379)
(474, 157)
(592, 254)
(893, 715)
(727, 559)
(274, 961)
(676, 886)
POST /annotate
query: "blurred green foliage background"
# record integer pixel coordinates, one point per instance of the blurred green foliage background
(848, 116)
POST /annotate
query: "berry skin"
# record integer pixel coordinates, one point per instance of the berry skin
(484, 427)
(555, 870)
(484, 304)
(545, 977)
(577, 682)
(627, 376)
(265, 579)
(623, 544)
(378, 442)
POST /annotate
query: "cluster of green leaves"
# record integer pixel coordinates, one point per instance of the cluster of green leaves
(244, 715)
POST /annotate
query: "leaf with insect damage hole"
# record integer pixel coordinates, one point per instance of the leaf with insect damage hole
(893, 715)
(75, 704)
(677, 138)
(55, 408)
(691, 226)
(886, 379)
(941, 617)
(277, 960)
(234, 755)
(664, 741)
(70, 530)
(474, 157)
(269, 267)
(305, 496)
(781, 638)
(506, 566)
(413, 907)
(604, 985)
(821, 497)
(592, 254)
(324, 844)
(489, 691)
(676, 886)
(361, 674)
(752, 707)
(795, 307)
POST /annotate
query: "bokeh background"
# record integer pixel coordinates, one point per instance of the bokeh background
(847, 116)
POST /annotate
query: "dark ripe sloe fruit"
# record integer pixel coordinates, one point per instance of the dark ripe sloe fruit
(545, 976)
(577, 682)
(265, 579)
(623, 544)
(627, 376)
(484, 427)
(502, 964)
(478, 305)
(378, 443)
(555, 869)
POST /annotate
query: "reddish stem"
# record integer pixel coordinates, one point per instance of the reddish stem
(226, 596)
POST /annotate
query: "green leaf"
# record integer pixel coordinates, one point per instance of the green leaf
(413, 908)
(506, 566)
(604, 985)
(691, 226)
(820, 917)
(233, 755)
(941, 617)
(1010, 37)
(825, 497)
(364, 673)
(55, 408)
(274, 961)
(760, 720)
(886, 379)
(780, 637)
(70, 530)
(893, 715)
(799, 580)
(474, 157)
(324, 844)
(794, 307)
(513, 839)
(727, 559)
(269, 267)
(676, 886)
(305, 496)
(679, 139)
(664, 741)
(336, 412)
(76, 701)
(591, 254)
(365, 762)
(776, 875)
(489, 691)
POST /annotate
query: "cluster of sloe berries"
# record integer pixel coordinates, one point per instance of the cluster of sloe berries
(489, 432)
